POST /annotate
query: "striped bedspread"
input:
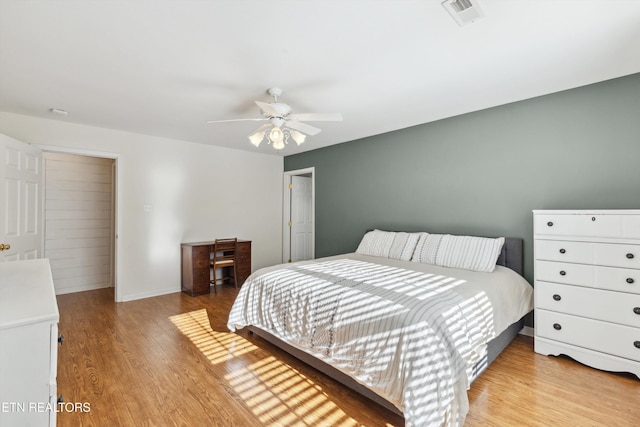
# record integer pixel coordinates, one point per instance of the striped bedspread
(410, 332)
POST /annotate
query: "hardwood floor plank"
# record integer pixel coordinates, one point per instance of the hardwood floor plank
(170, 361)
(529, 389)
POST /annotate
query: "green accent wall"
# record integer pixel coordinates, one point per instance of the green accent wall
(482, 173)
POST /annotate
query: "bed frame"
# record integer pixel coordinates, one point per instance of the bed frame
(510, 257)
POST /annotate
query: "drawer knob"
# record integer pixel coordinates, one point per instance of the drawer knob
(562, 251)
(630, 280)
(630, 255)
(637, 344)
(563, 273)
(593, 218)
(550, 224)
(557, 297)
(636, 310)
(61, 339)
(557, 326)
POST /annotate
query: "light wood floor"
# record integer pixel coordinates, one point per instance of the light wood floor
(170, 360)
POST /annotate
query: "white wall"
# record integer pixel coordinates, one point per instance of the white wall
(198, 192)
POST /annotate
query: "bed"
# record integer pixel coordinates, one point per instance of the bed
(409, 320)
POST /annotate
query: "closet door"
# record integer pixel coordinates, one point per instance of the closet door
(301, 219)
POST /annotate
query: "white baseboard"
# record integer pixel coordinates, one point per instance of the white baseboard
(150, 294)
(81, 288)
(527, 330)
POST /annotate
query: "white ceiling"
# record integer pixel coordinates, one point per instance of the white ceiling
(166, 67)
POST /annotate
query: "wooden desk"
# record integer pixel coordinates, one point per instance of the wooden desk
(196, 272)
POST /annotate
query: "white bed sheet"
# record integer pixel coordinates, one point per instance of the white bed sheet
(410, 332)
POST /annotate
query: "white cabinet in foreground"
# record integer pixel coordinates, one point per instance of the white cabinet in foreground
(28, 344)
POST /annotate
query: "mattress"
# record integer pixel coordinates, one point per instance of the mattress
(410, 332)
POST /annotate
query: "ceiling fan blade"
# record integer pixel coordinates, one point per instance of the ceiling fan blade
(238, 120)
(302, 127)
(262, 128)
(268, 109)
(317, 117)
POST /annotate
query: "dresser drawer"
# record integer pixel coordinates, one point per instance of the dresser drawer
(566, 251)
(615, 307)
(580, 225)
(631, 226)
(244, 257)
(201, 276)
(613, 339)
(614, 255)
(610, 278)
(200, 256)
(607, 254)
(561, 272)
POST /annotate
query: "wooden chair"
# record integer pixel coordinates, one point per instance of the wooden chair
(224, 256)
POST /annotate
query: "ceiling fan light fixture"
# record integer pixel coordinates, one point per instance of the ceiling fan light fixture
(276, 136)
(256, 137)
(298, 137)
(281, 125)
(277, 121)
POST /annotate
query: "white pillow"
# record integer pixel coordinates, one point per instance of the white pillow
(376, 243)
(466, 252)
(388, 244)
(403, 245)
(427, 248)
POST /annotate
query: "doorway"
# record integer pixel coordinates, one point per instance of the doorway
(22, 211)
(298, 237)
(79, 215)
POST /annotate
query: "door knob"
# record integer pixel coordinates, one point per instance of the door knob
(5, 246)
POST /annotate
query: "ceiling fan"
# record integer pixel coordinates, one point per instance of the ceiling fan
(282, 124)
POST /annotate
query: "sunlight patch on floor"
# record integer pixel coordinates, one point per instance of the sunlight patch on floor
(275, 392)
(218, 347)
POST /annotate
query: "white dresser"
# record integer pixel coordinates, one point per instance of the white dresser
(587, 287)
(28, 344)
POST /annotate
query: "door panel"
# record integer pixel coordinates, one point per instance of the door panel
(301, 218)
(21, 195)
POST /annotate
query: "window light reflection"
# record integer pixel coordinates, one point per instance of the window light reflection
(276, 393)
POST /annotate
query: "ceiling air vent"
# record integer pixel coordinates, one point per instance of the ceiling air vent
(463, 11)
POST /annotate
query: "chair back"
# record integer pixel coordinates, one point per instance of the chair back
(225, 249)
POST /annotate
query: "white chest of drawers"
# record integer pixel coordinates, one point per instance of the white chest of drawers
(28, 344)
(587, 287)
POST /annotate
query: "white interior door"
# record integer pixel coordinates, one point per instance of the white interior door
(301, 218)
(21, 196)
